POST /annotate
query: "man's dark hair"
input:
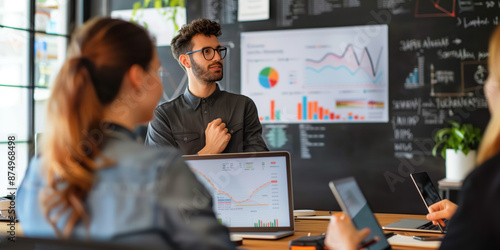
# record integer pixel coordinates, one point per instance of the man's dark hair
(181, 43)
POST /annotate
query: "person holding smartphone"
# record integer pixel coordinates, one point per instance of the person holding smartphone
(475, 221)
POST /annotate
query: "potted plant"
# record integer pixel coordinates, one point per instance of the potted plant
(457, 144)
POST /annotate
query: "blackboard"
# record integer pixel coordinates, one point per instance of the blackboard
(444, 43)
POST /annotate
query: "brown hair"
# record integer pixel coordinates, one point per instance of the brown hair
(490, 144)
(100, 54)
(181, 43)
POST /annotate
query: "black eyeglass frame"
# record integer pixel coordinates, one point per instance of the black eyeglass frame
(218, 50)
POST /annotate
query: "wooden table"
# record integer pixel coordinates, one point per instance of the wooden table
(302, 228)
(316, 227)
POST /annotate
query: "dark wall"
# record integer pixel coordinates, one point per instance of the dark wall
(452, 37)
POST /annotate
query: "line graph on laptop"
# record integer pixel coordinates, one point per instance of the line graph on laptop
(230, 199)
(247, 193)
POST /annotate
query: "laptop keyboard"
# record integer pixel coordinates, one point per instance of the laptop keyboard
(430, 226)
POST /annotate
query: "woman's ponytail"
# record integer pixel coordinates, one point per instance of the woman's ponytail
(100, 55)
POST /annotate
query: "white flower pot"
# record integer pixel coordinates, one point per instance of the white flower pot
(459, 165)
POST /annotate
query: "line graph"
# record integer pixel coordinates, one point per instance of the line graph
(344, 68)
(224, 192)
(435, 8)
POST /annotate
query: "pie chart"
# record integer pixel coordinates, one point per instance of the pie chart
(268, 77)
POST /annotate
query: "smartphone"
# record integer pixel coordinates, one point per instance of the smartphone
(428, 238)
(427, 191)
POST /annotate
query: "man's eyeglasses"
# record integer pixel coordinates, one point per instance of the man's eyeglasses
(209, 53)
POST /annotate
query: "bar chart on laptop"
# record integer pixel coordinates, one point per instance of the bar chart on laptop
(247, 193)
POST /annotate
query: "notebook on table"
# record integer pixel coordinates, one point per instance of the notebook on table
(252, 192)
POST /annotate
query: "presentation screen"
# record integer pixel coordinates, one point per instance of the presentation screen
(321, 75)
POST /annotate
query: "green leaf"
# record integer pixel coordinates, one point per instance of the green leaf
(137, 6)
(436, 147)
(466, 151)
(443, 153)
(158, 4)
(441, 133)
(454, 124)
(459, 134)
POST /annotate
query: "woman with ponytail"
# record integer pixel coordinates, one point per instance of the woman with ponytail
(93, 179)
(475, 222)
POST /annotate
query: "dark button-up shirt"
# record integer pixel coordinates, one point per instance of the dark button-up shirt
(181, 122)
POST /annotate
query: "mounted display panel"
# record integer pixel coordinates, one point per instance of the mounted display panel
(323, 75)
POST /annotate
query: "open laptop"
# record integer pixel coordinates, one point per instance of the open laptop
(353, 202)
(429, 196)
(252, 192)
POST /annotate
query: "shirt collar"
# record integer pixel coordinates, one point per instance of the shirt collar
(116, 128)
(194, 101)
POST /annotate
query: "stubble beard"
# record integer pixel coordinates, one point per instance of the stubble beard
(205, 75)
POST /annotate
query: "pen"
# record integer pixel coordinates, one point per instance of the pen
(439, 226)
(369, 243)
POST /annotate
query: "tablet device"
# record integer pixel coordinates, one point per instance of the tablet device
(353, 202)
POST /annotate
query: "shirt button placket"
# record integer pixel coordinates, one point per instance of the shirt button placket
(204, 108)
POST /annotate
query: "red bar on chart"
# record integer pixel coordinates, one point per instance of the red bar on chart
(299, 111)
(321, 113)
(272, 110)
(332, 116)
(315, 107)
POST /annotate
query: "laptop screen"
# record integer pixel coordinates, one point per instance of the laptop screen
(249, 190)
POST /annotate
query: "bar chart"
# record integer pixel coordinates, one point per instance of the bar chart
(312, 110)
(262, 223)
(415, 78)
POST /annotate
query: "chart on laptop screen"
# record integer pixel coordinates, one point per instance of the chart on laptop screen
(247, 192)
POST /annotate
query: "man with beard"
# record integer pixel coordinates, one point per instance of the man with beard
(205, 119)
